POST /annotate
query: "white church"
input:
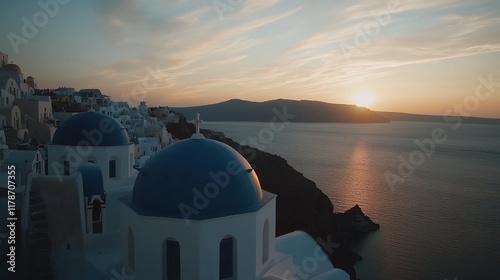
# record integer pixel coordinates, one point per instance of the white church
(195, 210)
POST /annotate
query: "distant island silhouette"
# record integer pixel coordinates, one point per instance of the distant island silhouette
(294, 111)
(307, 111)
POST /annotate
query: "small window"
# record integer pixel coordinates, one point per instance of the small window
(227, 258)
(66, 167)
(96, 216)
(171, 260)
(265, 242)
(131, 250)
(112, 168)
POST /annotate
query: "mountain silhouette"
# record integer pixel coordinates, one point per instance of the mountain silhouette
(294, 111)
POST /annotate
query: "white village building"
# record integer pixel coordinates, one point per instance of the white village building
(195, 210)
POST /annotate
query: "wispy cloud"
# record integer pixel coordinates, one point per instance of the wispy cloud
(262, 48)
(255, 6)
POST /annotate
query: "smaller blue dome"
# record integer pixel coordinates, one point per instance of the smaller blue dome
(196, 179)
(90, 129)
(92, 179)
(12, 68)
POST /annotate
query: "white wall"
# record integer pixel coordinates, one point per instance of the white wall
(199, 242)
(100, 155)
(149, 145)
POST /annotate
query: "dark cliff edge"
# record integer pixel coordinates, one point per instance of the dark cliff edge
(300, 205)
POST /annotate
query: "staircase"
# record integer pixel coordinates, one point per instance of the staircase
(38, 242)
(11, 138)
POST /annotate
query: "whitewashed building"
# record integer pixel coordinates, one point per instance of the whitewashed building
(195, 210)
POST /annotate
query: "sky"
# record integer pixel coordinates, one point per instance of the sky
(425, 57)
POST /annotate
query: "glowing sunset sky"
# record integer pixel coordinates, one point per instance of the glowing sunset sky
(425, 58)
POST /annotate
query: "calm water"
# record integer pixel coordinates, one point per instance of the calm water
(442, 222)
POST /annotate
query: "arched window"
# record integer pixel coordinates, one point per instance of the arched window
(112, 168)
(227, 258)
(131, 250)
(66, 167)
(265, 242)
(131, 163)
(115, 167)
(96, 216)
(171, 252)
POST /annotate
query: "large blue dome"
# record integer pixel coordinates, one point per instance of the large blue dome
(196, 179)
(90, 129)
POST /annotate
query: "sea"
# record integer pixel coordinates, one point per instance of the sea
(434, 188)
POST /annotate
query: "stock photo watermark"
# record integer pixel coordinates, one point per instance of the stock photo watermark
(11, 218)
(211, 190)
(77, 155)
(226, 6)
(221, 179)
(425, 148)
(370, 29)
(311, 264)
(122, 275)
(266, 134)
(153, 79)
(31, 26)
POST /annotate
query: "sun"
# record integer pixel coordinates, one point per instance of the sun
(363, 99)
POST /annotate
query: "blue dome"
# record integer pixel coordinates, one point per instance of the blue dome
(196, 179)
(92, 179)
(90, 129)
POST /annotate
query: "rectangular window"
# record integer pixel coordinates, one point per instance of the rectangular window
(96, 216)
(226, 258)
(131, 250)
(112, 168)
(66, 167)
(173, 260)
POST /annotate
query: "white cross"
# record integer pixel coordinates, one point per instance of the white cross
(197, 123)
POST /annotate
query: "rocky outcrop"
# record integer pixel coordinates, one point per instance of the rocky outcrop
(354, 222)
